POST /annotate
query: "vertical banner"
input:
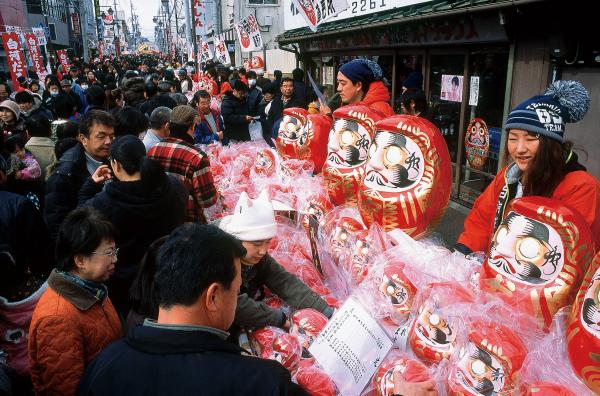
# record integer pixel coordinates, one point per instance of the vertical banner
(101, 50)
(40, 35)
(316, 12)
(199, 17)
(64, 59)
(34, 50)
(206, 52)
(14, 56)
(221, 51)
(248, 34)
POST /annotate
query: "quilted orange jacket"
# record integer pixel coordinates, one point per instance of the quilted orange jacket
(68, 329)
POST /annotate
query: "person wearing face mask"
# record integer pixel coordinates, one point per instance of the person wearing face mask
(235, 113)
(253, 223)
(53, 89)
(544, 164)
(254, 94)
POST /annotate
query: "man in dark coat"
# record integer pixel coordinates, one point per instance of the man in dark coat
(76, 165)
(300, 90)
(280, 103)
(235, 113)
(185, 350)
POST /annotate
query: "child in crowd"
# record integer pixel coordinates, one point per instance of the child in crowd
(253, 222)
(29, 168)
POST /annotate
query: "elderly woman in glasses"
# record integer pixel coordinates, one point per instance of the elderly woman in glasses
(74, 319)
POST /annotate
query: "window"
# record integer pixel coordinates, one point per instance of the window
(263, 2)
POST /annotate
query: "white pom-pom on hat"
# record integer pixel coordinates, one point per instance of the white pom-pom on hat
(573, 96)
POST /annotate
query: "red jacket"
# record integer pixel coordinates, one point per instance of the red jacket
(579, 190)
(378, 98)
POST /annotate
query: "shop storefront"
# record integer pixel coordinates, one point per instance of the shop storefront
(464, 64)
(470, 55)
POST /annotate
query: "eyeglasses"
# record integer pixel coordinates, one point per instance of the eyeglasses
(112, 254)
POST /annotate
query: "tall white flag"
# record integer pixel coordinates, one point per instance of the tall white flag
(249, 34)
(221, 51)
(316, 12)
(206, 52)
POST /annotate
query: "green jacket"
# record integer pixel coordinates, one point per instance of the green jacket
(268, 272)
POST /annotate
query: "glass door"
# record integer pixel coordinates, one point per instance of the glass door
(446, 79)
(483, 122)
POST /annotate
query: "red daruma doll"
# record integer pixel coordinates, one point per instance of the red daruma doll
(408, 177)
(410, 370)
(348, 150)
(488, 363)
(432, 336)
(303, 136)
(583, 333)
(538, 257)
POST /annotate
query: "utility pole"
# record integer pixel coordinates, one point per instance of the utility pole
(132, 24)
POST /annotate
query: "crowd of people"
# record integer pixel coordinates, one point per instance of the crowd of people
(111, 280)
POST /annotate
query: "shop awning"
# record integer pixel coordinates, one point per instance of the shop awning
(411, 13)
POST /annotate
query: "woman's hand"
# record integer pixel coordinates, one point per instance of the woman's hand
(102, 174)
(404, 388)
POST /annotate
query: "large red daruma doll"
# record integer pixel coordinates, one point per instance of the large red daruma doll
(348, 150)
(408, 176)
(303, 136)
(432, 336)
(583, 333)
(538, 257)
(488, 363)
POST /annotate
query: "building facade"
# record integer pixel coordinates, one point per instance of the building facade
(478, 59)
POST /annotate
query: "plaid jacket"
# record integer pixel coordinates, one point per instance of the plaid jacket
(192, 167)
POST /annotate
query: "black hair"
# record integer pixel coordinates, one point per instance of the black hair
(68, 129)
(269, 88)
(242, 71)
(191, 259)
(14, 142)
(277, 73)
(63, 106)
(164, 86)
(133, 90)
(298, 74)
(150, 89)
(8, 91)
(142, 293)
(23, 97)
(38, 125)
(96, 96)
(286, 79)
(251, 74)
(130, 152)
(82, 231)
(130, 121)
(63, 145)
(94, 117)
(418, 97)
(455, 81)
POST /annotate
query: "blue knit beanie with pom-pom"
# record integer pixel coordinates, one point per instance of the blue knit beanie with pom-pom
(547, 114)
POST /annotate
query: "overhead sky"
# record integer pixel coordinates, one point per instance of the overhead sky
(145, 10)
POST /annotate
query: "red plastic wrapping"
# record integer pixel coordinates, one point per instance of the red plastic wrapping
(408, 176)
(315, 381)
(547, 389)
(583, 332)
(538, 257)
(547, 370)
(306, 324)
(275, 344)
(489, 362)
(411, 370)
(433, 334)
(348, 150)
(303, 136)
